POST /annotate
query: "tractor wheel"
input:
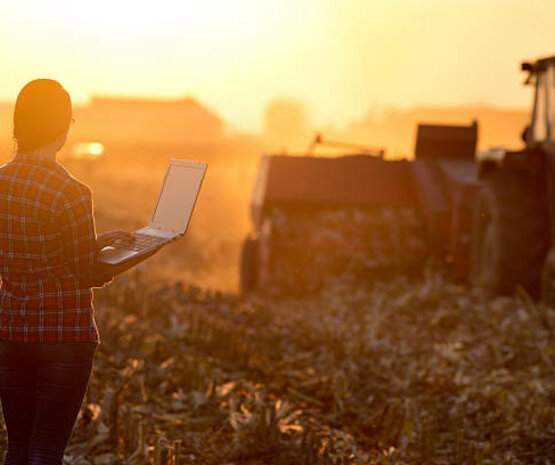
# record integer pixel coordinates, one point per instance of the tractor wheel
(510, 233)
(249, 266)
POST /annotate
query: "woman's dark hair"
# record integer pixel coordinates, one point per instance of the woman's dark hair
(42, 114)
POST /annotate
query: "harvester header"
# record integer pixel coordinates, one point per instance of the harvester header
(377, 200)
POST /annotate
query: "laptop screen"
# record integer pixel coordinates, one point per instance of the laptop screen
(178, 196)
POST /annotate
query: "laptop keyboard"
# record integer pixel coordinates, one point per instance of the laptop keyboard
(142, 242)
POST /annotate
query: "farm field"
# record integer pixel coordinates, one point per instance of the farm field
(390, 371)
(422, 372)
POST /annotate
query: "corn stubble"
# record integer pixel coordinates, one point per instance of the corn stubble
(394, 372)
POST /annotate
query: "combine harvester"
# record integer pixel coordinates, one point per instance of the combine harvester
(440, 185)
(490, 217)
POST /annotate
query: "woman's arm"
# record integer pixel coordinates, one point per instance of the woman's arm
(80, 243)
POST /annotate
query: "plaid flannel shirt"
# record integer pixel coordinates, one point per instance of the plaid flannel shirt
(48, 253)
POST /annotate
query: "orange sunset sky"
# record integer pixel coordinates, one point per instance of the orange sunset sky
(338, 57)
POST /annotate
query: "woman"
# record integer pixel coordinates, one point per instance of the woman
(48, 265)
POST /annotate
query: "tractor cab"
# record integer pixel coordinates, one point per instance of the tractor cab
(514, 222)
(542, 126)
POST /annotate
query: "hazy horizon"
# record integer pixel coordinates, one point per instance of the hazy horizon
(258, 126)
(285, 124)
(338, 58)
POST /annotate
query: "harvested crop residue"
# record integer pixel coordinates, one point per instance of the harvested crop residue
(397, 372)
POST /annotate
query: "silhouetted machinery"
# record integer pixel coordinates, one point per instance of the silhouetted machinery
(493, 220)
(440, 184)
(515, 229)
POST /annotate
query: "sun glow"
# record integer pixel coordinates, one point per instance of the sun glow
(135, 20)
(87, 150)
(340, 58)
(107, 16)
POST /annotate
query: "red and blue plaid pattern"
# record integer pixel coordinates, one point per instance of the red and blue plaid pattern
(48, 253)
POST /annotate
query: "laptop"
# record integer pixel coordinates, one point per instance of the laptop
(170, 217)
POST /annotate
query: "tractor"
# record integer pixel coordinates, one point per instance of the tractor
(514, 228)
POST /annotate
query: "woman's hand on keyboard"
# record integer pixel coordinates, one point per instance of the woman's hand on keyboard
(110, 237)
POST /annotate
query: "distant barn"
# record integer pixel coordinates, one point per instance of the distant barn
(116, 119)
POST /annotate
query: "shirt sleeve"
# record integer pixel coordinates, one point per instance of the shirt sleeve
(79, 237)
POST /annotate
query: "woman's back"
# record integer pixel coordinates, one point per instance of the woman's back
(47, 253)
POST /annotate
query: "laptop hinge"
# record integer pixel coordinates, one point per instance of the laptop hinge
(157, 232)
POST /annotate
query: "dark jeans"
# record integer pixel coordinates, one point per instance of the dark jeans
(42, 386)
